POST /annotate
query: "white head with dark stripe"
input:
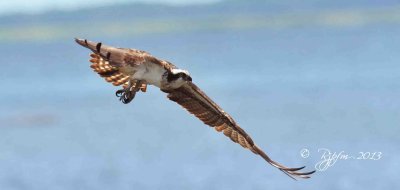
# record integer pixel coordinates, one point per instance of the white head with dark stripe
(177, 77)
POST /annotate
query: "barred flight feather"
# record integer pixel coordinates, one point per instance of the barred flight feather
(110, 73)
(196, 102)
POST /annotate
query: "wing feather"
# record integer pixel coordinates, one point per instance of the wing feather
(115, 64)
(200, 105)
(110, 73)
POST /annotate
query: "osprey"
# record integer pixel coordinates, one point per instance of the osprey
(135, 69)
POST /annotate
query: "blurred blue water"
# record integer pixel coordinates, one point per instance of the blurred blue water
(61, 127)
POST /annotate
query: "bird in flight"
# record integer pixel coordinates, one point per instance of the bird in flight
(135, 69)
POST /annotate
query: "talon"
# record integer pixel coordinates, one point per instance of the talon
(127, 94)
(120, 93)
(128, 97)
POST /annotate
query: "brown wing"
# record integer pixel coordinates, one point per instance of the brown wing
(110, 73)
(109, 61)
(117, 57)
(199, 104)
(121, 57)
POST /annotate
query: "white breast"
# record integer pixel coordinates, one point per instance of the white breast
(150, 72)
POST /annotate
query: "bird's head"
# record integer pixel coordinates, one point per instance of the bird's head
(179, 74)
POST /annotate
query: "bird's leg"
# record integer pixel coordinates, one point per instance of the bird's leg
(137, 86)
(127, 94)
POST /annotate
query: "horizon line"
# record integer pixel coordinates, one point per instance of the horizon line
(67, 7)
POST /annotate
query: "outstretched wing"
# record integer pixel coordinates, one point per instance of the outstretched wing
(109, 62)
(117, 57)
(199, 104)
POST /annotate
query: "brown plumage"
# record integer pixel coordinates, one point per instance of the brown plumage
(110, 73)
(196, 102)
(120, 66)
